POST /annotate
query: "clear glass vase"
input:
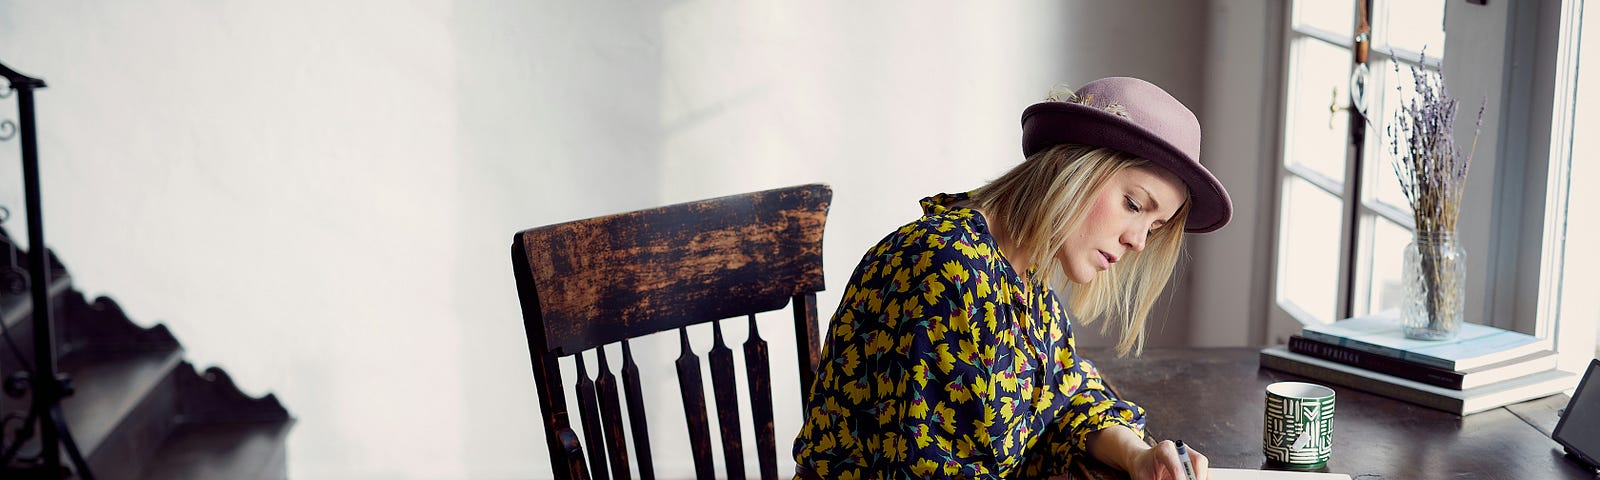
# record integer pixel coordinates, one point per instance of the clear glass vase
(1436, 282)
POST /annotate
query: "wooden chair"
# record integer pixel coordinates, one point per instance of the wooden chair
(591, 283)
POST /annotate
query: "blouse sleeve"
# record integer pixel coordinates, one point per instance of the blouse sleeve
(1092, 406)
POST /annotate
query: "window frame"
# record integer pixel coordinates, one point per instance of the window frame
(1523, 295)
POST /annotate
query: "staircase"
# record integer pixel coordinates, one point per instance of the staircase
(139, 410)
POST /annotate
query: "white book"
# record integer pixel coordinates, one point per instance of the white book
(1245, 474)
(1460, 402)
(1474, 345)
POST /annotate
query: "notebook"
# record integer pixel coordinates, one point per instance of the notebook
(1243, 474)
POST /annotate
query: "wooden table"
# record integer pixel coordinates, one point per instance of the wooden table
(1213, 399)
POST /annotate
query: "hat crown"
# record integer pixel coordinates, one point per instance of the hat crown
(1147, 106)
(1138, 118)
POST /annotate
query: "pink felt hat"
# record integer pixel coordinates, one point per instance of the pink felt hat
(1139, 118)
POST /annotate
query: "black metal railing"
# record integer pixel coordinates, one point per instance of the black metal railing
(48, 385)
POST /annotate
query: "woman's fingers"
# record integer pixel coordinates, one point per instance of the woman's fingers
(1202, 466)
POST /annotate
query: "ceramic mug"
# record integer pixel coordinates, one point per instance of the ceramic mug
(1298, 425)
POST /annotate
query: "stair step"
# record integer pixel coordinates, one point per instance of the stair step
(19, 308)
(124, 405)
(242, 450)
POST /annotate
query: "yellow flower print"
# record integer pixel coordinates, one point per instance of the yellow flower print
(849, 360)
(924, 261)
(968, 352)
(958, 392)
(878, 343)
(824, 444)
(886, 412)
(924, 467)
(918, 408)
(947, 361)
(912, 308)
(848, 475)
(936, 331)
(945, 226)
(857, 390)
(965, 248)
(902, 280)
(923, 437)
(945, 417)
(875, 302)
(954, 272)
(932, 290)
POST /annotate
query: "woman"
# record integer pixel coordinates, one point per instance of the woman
(950, 356)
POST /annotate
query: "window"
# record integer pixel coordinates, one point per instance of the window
(1342, 223)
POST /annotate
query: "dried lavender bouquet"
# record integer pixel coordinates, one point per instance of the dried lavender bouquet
(1433, 174)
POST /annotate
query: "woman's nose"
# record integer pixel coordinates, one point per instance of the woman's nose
(1134, 238)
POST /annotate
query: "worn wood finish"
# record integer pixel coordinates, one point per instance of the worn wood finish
(805, 327)
(589, 411)
(694, 407)
(727, 395)
(759, 375)
(590, 283)
(572, 451)
(659, 269)
(611, 418)
(566, 454)
(1214, 399)
(636, 414)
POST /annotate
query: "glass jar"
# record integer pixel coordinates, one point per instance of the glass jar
(1436, 283)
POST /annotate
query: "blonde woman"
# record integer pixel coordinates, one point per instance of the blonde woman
(951, 357)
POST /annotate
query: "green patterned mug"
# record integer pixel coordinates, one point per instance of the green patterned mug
(1298, 425)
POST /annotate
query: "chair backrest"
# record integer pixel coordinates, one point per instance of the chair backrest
(591, 283)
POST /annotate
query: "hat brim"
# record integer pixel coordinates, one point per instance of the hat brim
(1053, 123)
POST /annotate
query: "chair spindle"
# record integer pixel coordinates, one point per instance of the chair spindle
(694, 407)
(759, 372)
(636, 417)
(611, 418)
(727, 394)
(589, 412)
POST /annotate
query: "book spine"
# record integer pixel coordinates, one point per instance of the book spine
(1379, 349)
(1377, 363)
(1359, 382)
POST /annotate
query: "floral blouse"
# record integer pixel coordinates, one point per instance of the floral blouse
(941, 362)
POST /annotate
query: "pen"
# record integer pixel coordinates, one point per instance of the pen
(1183, 456)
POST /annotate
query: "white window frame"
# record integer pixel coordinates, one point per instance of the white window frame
(1514, 254)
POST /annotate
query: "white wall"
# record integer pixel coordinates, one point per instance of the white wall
(320, 196)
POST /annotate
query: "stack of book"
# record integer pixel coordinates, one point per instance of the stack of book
(1482, 368)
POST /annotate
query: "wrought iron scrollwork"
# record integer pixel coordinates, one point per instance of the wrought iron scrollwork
(8, 129)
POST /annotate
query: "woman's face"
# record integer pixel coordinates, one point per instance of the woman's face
(1126, 211)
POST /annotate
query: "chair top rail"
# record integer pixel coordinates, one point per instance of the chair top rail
(601, 280)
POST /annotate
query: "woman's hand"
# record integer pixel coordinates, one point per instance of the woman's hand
(1161, 462)
(1120, 447)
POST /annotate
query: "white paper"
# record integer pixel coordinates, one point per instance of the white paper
(1243, 474)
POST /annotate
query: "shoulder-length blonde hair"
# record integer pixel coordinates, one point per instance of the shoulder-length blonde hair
(1040, 202)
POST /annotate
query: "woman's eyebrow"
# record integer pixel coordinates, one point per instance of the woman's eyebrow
(1154, 205)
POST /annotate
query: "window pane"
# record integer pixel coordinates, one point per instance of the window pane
(1308, 248)
(1337, 16)
(1389, 242)
(1317, 139)
(1381, 155)
(1414, 24)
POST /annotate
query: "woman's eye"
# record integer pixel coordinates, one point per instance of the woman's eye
(1134, 207)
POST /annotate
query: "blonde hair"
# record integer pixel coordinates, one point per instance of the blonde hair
(1040, 202)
